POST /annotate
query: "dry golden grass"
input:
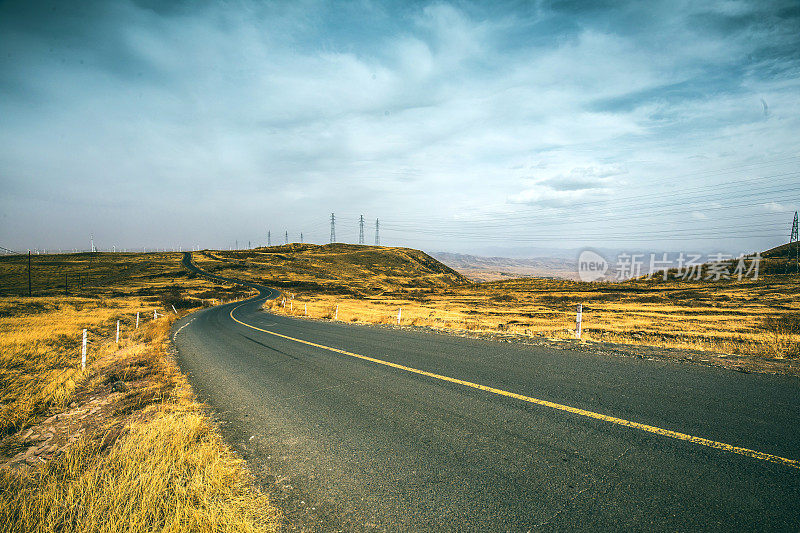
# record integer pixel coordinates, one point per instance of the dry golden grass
(691, 316)
(750, 318)
(153, 276)
(342, 269)
(171, 473)
(135, 452)
(40, 350)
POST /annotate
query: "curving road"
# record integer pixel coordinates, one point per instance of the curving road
(359, 428)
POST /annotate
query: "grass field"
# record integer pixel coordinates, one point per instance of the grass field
(759, 318)
(124, 445)
(121, 445)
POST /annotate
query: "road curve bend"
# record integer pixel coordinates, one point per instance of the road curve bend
(360, 428)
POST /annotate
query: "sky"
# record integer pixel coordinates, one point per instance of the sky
(495, 128)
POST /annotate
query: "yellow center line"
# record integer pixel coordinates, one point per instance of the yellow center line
(574, 410)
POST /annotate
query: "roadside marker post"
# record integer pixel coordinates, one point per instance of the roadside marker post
(173, 308)
(117, 332)
(155, 314)
(291, 307)
(336, 314)
(399, 314)
(578, 321)
(83, 352)
(305, 309)
(137, 319)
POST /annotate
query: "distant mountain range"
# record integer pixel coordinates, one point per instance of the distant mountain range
(481, 268)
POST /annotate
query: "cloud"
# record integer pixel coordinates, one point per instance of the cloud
(775, 207)
(581, 178)
(551, 198)
(573, 188)
(399, 109)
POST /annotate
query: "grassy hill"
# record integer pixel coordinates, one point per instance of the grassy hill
(343, 269)
(780, 260)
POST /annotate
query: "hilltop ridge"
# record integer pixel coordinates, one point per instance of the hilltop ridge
(335, 268)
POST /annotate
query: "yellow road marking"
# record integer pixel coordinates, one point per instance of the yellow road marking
(574, 410)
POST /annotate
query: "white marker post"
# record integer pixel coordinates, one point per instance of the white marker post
(305, 309)
(336, 314)
(155, 314)
(283, 303)
(291, 307)
(399, 314)
(83, 352)
(578, 322)
(137, 319)
(118, 332)
(173, 308)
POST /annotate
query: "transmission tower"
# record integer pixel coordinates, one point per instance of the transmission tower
(361, 230)
(286, 237)
(301, 237)
(377, 232)
(333, 228)
(793, 238)
(269, 238)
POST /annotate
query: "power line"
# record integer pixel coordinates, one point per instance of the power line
(778, 183)
(641, 212)
(793, 238)
(621, 232)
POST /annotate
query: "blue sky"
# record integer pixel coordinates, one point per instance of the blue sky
(462, 126)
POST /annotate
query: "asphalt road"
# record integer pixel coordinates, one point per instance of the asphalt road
(343, 443)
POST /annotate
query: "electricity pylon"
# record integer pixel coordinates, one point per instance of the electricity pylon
(793, 238)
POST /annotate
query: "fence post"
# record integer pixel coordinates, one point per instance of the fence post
(578, 322)
(83, 352)
(137, 319)
(399, 314)
(118, 332)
